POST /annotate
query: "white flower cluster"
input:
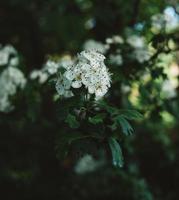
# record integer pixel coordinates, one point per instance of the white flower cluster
(5, 53)
(10, 80)
(89, 71)
(50, 68)
(141, 52)
(168, 21)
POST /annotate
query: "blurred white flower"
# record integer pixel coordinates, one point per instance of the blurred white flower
(136, 41)
(116, 39)
(125, 89)
(5, 104)
(95, 45)
(168, 89)
(140, 49)
(3, 57)
(51, 67)
(142, 55)
(10, 80)
(5, 53)
(115, 59)
(14, 61)
(158, 22)
(90, 23)
(87, 164)
(9, 49)
(168, 20)
(40, 75)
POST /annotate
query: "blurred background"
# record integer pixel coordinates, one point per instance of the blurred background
(29, 164)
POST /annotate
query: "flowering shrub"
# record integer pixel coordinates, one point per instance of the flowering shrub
(109, 111)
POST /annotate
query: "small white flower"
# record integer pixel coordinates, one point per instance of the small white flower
(5, 53)
(115, 39)
(10, 80)
(40, 75)
(140, 49)
(51, 67)
(14, 61)
(136, 41)
(3, 57)
(87, 164)
(116, 59)
(142, 55)
(63, 86)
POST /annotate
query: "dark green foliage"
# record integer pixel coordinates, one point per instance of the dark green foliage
(117, 156)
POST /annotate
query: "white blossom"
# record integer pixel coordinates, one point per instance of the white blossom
(5, 53)
(40, 75)
(63, 86)
(116, 59)
(136, 41)
(14, 61)
(168, 20)
(140, 49)
(89, 71)
(116, 39)
(9, 49)
(142, 55)
(10, 80)
(50, 68)
(87, 164)
(3, 57)
(168, 89)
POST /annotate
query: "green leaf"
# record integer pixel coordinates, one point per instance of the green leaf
(72, 121)
(97, 118)
(126, 127)
(110, 109)
(117, 156)
(131, 114)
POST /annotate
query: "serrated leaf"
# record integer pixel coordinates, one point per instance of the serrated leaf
(131, 114)
(117, 157)
(72, 121)
(108, 108)
(126, 127)
(97, 118)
